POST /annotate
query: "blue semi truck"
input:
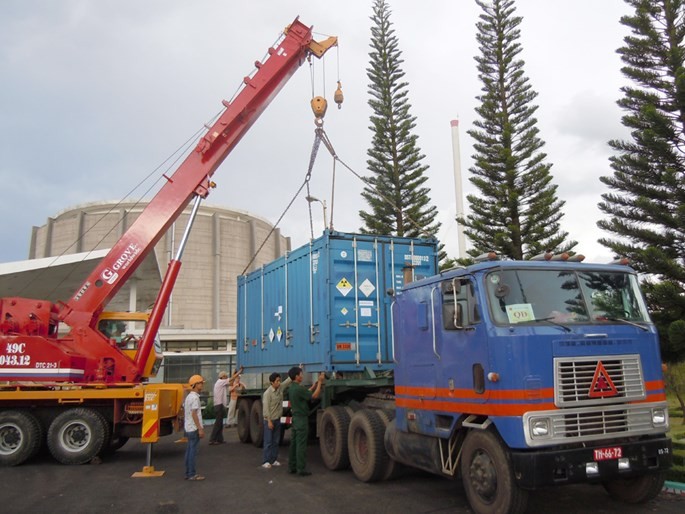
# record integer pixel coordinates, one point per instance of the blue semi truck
(511, 375)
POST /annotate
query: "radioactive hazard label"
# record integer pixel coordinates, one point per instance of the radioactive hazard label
(344, 286)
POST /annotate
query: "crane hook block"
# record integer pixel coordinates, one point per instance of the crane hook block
(338, 97)
(319, 106)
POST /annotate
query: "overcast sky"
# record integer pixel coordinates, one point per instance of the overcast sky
(95, 94)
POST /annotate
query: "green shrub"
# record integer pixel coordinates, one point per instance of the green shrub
(676, 473)
(208, 411)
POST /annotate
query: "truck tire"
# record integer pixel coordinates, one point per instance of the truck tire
(366, 449)
(393, 469)
(114, 439)
(108, 434)
(244, 407)
(636, 490)
(116, 442)
(335, 424)
(257, 424)
(76, 436)
(488, 476)
(20, 437)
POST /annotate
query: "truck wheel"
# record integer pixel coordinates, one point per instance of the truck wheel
(636, 490)
(114, 442)
(20, 437)
(393, 469)
(365, 446)
(244, 407)
(107, 438)
(335, 424)
(257, 424)
(488, 476)
(76, 436)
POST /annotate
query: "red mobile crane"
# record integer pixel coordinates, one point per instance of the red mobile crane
(81, 391)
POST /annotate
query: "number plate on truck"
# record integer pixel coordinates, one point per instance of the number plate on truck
(608, 453)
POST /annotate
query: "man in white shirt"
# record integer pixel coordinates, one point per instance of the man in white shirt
(221, 404)
(193, 425)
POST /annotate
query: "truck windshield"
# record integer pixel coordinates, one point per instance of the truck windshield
(564, 296)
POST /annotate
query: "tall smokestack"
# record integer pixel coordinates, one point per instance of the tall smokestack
(458, 190)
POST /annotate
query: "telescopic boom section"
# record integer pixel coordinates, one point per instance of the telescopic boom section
(193, 175)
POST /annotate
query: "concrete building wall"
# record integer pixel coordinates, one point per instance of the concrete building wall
(221, 246)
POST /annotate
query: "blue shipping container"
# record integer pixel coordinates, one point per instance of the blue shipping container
(325, 304)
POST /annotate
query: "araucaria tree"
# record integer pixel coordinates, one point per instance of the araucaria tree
(646, 206)
(395, 191)
(516, 212)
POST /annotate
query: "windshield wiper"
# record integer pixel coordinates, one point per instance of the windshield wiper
(549, 320)
(632, 323)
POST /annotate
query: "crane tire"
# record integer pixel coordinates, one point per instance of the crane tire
(20, 437)
(76, 436)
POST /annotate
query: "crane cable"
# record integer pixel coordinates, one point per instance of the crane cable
(166, 163)
(327, 143)
(320, 136)
(312, 158)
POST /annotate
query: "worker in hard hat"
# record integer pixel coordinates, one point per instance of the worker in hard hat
(193, 425)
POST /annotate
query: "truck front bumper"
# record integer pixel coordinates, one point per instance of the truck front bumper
(556, 466)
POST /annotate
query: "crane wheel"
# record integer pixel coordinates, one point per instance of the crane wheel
(76, 436)
(20, 437)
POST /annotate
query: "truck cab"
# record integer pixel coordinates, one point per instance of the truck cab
(552, 364)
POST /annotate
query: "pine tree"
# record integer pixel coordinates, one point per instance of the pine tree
(646, 208)
(517, 212)
(395, 192)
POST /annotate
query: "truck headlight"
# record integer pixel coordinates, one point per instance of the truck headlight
(659, 417)
(539, 427)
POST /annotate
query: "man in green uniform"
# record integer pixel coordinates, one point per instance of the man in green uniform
(299, 398)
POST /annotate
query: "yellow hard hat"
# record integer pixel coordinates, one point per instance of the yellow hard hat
(195, 379)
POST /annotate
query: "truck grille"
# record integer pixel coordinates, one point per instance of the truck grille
(602, 422)
(595, 423)
(573, 380)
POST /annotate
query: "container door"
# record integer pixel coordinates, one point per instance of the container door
(355, 291)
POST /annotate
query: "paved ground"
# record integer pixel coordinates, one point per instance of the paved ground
(236, 484)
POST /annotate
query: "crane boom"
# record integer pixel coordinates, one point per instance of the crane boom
(84, 352)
